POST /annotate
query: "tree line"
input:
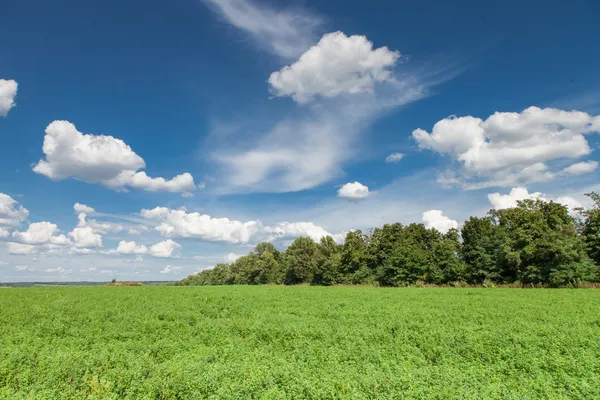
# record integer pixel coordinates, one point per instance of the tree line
(535, 243)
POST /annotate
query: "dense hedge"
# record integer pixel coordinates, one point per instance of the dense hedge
(536, 242)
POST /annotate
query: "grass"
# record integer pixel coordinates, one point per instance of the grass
(298, 342)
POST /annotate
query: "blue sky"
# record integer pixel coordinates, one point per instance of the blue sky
(188, 131)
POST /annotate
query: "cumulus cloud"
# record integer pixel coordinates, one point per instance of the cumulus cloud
(101, 228)
(502, 201)
(40, 233)
(86, 237)
(169, 268)
(337, 64)
(394, 158)
(353, 190)
(180, 223)
(166, 249)
(131, 247)
(231, 257)
(21, 249)
(511, 148)
(11, 212)
(82, 208)
(290, 230)
(436, 219)
(100, 159)
(580, 168)
(8, 92)
(3, 233)
(286, 33)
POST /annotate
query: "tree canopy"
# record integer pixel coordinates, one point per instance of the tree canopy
(536, 242)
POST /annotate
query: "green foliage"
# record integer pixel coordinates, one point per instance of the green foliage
(534, 243)
(273, 342)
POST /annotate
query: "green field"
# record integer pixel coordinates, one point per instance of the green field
(298, 342)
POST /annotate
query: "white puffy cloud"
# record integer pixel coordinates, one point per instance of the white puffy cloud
(86, 237)
(511, 148)
(436, 219)
(21, 249)
(231, 257)
(394, 158)
(353, 190)
(165, 249)
(101, 228)
(502, 201)
(11, 212)
(3, 233)
(169, 268)
(290, 230)
(581, 168)
(131, 247)
(99, 159)
(8, 92)
(82, 208)
(40, 233)
(571, 203)
(338, 64)
(179, 223)
(286, 33)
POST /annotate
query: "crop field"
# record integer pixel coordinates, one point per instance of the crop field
(273, 342)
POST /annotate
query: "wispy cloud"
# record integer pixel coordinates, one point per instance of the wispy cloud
(286, 33)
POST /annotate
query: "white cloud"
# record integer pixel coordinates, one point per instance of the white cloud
(309, 147)
(394, 158)
(40, 233)
(169, 268)
(581, 168)
(436, 219)
(179, 223)
(99, 159)
(11, 212)
(3, 233)
(86, 237)
(502, 201)
(165, 249)
(82, 208)
(138, 230)
(353, 190)
(231, 257)
(24, 268)
(337, 65)
(8, 92)
(138, 259)
(131, 247)
(21, 249)
(571, 203)
(290, 230)
(101, 228)
(58, 270)
(286, 33)
(511, 148)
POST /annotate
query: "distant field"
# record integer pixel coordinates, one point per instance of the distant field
(298, 342)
